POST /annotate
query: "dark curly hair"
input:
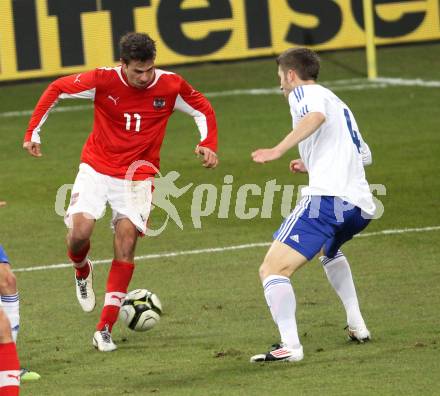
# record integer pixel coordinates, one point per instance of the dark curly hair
(137, 46)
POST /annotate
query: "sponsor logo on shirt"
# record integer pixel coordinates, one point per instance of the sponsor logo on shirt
(114, 100)
(159, 103)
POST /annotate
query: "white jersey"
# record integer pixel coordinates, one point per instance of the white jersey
(335, 154)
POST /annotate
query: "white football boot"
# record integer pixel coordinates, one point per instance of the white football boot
(280, 353)
(84, 290)
(359, 334)
(102, 340)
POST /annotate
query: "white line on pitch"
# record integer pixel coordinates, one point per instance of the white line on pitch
(59, 109)
(397, 231)
(219, 249)
(337, 85)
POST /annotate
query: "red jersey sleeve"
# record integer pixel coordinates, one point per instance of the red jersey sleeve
(195, 104)
(82, 86)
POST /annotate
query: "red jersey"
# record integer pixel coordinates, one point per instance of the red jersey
(129, 123)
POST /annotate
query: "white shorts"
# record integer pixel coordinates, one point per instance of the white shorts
(128, 199)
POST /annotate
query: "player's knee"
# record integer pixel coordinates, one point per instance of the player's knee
(76, 239)
(270, 267)
(125, 245)
(80, 232)
(8, 282)
(126, 237)
(11, 282)
(78, 235)
(262, 272)
(267, 268)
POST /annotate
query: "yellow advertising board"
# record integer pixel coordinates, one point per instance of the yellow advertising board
(41, 38)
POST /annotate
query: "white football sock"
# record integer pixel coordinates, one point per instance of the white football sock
(11, 305)
(282, 304)
(339, 275)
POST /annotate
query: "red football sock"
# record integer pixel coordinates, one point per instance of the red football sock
(79, 257)
(9, 370)
(83, 272)
(118, 280)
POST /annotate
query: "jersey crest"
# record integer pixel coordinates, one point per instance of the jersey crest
(159, 103)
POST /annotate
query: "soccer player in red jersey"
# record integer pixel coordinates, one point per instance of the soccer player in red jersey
(132, 104)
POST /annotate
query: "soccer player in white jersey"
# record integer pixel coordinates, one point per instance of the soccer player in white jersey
(336, 204)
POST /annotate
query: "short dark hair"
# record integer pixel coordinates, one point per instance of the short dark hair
(137, 46)
(304, 61)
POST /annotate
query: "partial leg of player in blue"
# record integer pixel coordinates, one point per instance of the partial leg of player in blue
(339, 275)
(281, 301)
(10, 302)
(299, 239)
(279, 353)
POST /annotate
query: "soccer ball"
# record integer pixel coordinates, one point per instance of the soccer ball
(140, 310)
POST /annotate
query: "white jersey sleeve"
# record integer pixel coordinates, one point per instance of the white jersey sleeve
(303, 104)
(367, 158)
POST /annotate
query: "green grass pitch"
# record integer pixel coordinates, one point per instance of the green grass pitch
(215, 315)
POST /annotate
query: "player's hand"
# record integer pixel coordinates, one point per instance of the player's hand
(265, 155)
(297, 166)
(210, 159)
(33, 148)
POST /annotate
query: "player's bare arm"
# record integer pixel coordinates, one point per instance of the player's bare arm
(306, 127)
(209, 157)
(33, 149)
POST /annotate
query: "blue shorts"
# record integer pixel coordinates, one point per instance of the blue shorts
(321, 221)
(3, 257)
